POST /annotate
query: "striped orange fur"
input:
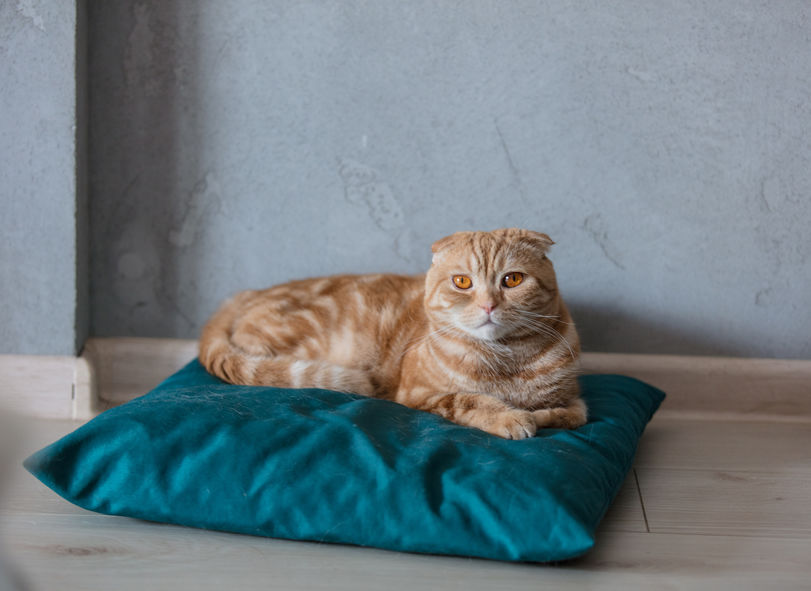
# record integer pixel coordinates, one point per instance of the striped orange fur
(483, 339)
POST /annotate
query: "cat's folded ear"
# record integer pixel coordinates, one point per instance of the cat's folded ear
(536, 240)
(448, 241)
(539, 240)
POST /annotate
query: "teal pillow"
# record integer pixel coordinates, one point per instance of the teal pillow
(332, 467)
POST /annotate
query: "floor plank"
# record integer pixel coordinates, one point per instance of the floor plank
(727, 502)
(26, 494)
(690, 561)
(725, 445)
(625, 513)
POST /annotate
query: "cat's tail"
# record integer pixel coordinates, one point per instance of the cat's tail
(217, 353)
(229, 362)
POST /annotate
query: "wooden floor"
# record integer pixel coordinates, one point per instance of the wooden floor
(708, 505)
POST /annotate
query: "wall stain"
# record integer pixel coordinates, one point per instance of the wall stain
(770, 194)
(138, 55)
(763, 296)
(403, 245)
(383, 207)
(641, 74)
(354, 175)
(596, 227)
(516, 175)
(151, 60)
(199, 202)
(131, 266)
(362, 187)
(28, 9)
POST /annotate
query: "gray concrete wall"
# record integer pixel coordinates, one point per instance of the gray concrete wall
(663, 145)
(43, 301)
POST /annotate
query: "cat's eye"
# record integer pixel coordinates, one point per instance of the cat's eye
(512, 279)
(462, 281)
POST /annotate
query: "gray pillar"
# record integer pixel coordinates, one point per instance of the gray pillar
(43, 201)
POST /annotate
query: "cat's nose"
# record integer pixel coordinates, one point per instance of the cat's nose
(488, 307)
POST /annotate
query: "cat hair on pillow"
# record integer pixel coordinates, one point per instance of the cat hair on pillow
(482, 339)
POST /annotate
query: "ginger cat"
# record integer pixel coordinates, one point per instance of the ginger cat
(484, 339)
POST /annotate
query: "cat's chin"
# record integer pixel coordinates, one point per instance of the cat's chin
(487, 332)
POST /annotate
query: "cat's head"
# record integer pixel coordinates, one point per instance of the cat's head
(491, 285)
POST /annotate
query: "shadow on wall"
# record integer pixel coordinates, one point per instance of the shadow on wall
(144, 98)
(610, 328)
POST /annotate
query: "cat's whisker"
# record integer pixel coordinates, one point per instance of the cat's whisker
(548, 330)
(556, 318)
(540, 327)
(488, 362)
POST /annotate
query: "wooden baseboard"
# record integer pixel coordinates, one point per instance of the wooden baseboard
(59, 387)
(114, 370)
(734, 387)
(127, 367)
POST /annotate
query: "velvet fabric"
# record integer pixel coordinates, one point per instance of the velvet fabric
(333, 467)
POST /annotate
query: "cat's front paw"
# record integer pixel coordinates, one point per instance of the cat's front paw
(512, 424)
(567, 417)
